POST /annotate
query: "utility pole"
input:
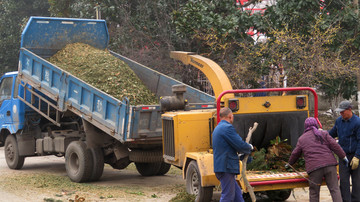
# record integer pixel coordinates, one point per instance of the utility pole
(98, 12)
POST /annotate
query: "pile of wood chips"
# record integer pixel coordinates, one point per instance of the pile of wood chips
(103, 71)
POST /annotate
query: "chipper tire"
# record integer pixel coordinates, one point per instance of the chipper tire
(12, 155)
(279, 195)
(193, 184)
(78, 162)
(164, 168)
(148, 169)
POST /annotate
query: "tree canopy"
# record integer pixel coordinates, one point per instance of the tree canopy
(310, 43)
(13, 15)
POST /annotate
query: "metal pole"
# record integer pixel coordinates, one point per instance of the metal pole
(356, 6)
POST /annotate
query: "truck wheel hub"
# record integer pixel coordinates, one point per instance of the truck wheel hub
(10, 152)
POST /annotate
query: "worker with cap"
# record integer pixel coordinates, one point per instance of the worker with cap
(347, 129)
(227, 143)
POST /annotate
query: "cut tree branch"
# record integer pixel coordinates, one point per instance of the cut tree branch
(243, 171)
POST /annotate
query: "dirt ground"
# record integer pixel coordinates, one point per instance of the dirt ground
(44, 179)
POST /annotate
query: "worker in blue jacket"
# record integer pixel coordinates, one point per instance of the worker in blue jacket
(226, 146)
(347, 129)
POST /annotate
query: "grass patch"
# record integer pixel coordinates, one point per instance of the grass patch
(183, 196)
(63, 186)
(57, 188)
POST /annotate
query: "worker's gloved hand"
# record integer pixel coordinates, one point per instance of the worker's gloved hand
(354, 163)
(287, 165)
(252, 147)
(346, 161)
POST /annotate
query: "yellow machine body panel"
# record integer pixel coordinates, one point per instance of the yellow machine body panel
(266, 104)
(186, 131)
(205, 164)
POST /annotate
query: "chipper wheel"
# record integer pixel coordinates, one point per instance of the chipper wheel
(193, 184)
(279, 195)
(13, 159)
(164, 168)
(78, 162)
(148, 169)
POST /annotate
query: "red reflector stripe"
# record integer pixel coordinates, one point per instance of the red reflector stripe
(205, 106)
(148, 108)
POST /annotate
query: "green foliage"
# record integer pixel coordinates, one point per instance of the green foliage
(274, 157)
(12, 15)
(221, 19)
(259, 162)
(340, 85)
(73, 9)
(183, 196)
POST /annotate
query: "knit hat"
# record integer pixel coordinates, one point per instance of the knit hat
(312, 124)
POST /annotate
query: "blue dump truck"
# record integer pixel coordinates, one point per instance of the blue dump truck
(48, 111)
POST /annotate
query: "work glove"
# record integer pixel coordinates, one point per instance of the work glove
(346, 161)
(287, 165)
(252, 147)
(354, 163)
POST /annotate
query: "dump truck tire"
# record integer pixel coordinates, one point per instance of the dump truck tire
(279, 195)
(98, 163)
(13, 159)
(164, 168)
(146, 156)
(148, 169)
(78, 162)
(193, 184)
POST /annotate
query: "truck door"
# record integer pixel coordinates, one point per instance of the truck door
(5, 100)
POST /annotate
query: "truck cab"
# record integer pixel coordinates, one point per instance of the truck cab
(11, 118)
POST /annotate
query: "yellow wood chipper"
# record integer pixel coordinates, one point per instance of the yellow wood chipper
(187, 133)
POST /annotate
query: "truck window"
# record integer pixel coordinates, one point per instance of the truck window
(5, 89)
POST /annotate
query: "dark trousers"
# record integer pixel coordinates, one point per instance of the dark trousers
(345, 174)
(331, 179)
(230, 190)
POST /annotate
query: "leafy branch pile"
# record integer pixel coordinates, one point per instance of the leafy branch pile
(274, 157)
(102, 70)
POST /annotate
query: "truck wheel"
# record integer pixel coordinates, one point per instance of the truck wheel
(148, 169)
(164, 168)
(78, 162)
(98, 163)
(193, 184)
(13, 159)
(279, 195)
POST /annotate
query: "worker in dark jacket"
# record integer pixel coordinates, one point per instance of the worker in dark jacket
(347, 129)
(317, 147)
(226, 146)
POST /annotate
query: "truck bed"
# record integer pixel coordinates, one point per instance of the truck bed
(44, 36)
